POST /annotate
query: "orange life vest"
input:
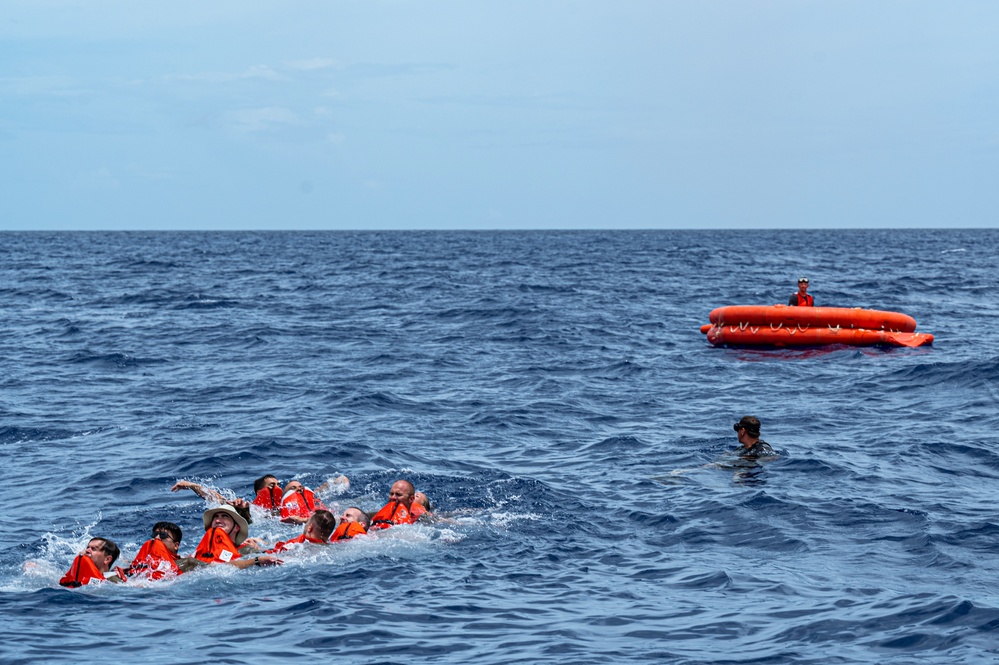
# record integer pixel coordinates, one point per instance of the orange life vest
(269, 498)
(81, 572)
(809, 300)
(154, 561)
(300, 503)
(283, 545)
(394, 513)
(347, 530)
(216, 547)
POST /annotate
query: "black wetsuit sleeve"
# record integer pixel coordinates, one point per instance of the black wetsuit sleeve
(793, 300)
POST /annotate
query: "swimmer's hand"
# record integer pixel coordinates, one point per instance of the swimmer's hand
(267, 560)
(183, 485)
(255, 542)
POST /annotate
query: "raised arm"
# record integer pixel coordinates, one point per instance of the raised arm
(200, 490)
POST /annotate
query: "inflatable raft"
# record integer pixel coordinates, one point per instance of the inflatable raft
(781, 325)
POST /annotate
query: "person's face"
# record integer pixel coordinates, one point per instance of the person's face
(400, 492)
(271, 482)
(96, 554)
(352, 515)
(224, 522)
(421, 498)
(293, 486)
(803, 286)
(168, 541)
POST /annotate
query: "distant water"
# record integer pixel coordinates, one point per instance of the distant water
(551, 392)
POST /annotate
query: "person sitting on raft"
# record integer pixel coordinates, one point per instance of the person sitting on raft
(157, 557)
(800, 298)
(317, 530)
(353, 522)
(748, 430)
(93, 564)
(400, 508)
(225, 531)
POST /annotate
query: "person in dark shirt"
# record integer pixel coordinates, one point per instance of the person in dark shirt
(753, 446)
(800, 298)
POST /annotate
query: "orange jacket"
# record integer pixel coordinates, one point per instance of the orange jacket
(394, 513)
(347, 530)
(154, 560)
(81, 572)
(283, 545)
(268, 498)
(301, 503)
(216, 547)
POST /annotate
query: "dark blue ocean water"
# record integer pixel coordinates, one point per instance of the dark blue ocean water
(552, 394)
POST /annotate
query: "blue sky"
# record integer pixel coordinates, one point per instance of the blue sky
(397, 114)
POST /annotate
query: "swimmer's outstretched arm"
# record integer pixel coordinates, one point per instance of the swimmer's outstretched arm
(200, 490)
(262, 560)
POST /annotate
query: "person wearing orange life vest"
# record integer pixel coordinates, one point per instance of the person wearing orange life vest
(353, 522)
(400, 508)
(157, 557)
(92, 564)
(800, 298)
(298, 503)
(225, 531)
(317, 530)
(267, 493)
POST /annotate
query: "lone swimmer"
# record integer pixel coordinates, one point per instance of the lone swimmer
(753, 446)
(800, 298)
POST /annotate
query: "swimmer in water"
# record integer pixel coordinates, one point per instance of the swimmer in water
(748, 431)
(225, 531)
(93, 564)
(400, 508)
(317, 530)
(353, 522)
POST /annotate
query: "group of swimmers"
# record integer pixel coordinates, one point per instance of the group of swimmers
(226, 539)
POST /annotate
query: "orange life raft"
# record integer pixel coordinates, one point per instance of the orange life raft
(781, 325)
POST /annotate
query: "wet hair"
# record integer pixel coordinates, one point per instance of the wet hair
(365, 519)
(259, 483)
(325, 522)
(170, 528)
(751, 424)
(243, 511)
(426, 505)
(109, 548)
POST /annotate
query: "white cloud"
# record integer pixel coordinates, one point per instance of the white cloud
(264, 72)
(312, 64)
(261, 119)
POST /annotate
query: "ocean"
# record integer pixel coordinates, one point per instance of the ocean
(552, 394)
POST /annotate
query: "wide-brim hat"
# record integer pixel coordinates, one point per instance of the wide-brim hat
(244, 528)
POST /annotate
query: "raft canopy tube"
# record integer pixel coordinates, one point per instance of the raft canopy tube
(780, 326)
(827, 317)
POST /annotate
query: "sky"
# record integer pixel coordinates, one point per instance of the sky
(488, 114)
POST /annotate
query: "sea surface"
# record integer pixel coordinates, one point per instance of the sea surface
(552, 394)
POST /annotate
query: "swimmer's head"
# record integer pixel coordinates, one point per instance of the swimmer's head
(267, 481)
(421, 499)
(356, 515)
(749, 423)
(402, 491)
(293, 486)
(321, 525)
(170, 534)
